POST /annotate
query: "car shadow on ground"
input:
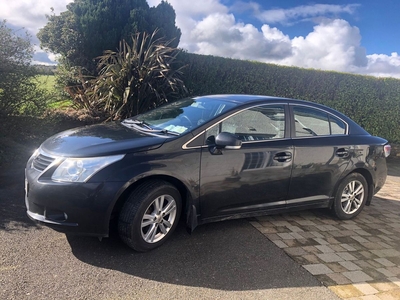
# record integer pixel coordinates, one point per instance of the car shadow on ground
(12, 204)
(228, 255)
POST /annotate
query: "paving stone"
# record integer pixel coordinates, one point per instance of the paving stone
(384, 245)
(332, 240)
(359, 239)
(386, 252)
(390, 295)
(384, 286)
(329, 257)
(297, 236)
(281, 229)
(346, 255)
(373, 239)
(348, 247)
(336, 267)
(263, 229)
(306, 242)
(395, 280)
(317, 269)
(386, 272)
(357, 276)
(338, 278)
(346, 291)
(295, 229)
(317, 234)
(362, 232)
(394, 270)
(372, 246)
(384, 262)
(295, 251)
(374, 263)
(306, 234)
(305, 222)
(280, 244)
(386, 238)
(385, 231)
(329, 221)
(326, 280)
(311, 249)
(350, 266)
(312, 259)
(337, 248)
(321, 241)
(365, 288)
(324, 248)
(336, 233)
(256, 224)
(293, 243)
(350, 226)
(280, 223)
(368, 254)
(377, 276)
(272, 236)
(285, 236)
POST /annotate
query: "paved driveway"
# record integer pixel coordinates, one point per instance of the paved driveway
(356, 259)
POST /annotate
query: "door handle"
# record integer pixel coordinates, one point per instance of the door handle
(283, 156)
(342, 152)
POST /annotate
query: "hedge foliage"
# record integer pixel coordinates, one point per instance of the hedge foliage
(374, 103)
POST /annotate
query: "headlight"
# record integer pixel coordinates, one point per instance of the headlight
(81, 169)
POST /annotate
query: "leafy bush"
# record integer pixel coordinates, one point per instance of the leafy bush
(19, 92)
(131, 80)
(372, 102)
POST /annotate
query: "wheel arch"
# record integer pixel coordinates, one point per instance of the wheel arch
(368, 177)
(183, 190)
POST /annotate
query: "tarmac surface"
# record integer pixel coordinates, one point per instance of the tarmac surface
(307, 255)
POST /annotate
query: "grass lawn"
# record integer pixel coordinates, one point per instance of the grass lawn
(48, 82)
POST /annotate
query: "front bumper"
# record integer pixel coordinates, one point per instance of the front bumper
(80, 208)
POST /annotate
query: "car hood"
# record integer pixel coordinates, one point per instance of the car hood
(100, 140)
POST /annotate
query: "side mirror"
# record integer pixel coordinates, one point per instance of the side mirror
(228, 141)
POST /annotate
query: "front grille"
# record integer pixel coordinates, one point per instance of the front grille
(41, 162)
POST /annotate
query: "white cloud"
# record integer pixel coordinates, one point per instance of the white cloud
(219, 34)
(382, 65)
(333, 45)
(210, 27)
(300, 12)
(30, 14)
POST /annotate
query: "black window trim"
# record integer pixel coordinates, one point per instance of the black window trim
(293, 130)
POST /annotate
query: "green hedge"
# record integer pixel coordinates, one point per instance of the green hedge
(374, 103)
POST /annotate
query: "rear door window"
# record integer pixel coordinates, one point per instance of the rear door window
(313, 122)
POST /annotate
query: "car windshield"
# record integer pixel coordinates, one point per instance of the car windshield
(180, 116)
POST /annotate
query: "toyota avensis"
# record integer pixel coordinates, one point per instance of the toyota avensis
(204, 159)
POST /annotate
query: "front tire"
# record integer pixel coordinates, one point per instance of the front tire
(350, 197)
(150, 215)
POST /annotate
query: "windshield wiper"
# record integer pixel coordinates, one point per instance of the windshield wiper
(147, 127)
(169, 132)
(137, 122)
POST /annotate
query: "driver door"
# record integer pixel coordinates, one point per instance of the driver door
(253, 178)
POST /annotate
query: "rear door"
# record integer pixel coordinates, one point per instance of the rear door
(321, 153)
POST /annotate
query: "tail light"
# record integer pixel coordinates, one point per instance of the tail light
(386, 150)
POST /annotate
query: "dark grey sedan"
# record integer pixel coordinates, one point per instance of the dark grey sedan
(205, 159)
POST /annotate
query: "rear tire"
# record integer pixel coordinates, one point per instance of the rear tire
(150, 215)
(350, 197)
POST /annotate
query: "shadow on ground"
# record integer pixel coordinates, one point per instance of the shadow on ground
(229, 255)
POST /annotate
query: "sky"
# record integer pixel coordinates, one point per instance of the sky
(361, 37)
